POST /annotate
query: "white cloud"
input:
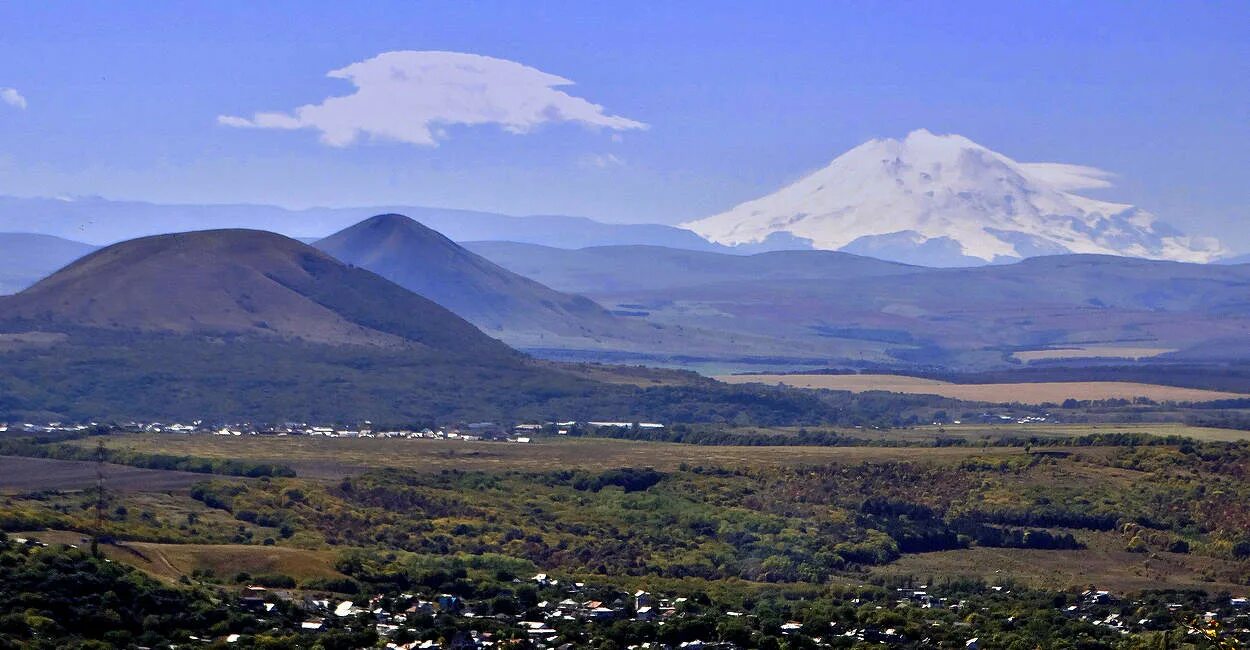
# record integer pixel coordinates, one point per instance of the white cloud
(1070, 178)
(13, 98)
(409, 96)
(601, 160)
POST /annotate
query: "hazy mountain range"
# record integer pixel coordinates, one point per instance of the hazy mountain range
(504, 304)
(665, 305)
(27, 257)
(858, 308)
(609, 270)
(885, 218)
(926, 199)
(101, 221)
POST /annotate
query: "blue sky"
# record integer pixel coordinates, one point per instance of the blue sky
(123, 100)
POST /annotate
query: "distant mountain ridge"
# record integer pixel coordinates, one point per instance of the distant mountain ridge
(969, 227)
(605, 270)
(103, 221)
(944, 200)
(25, 258)
(832, 304)
(245, 283)
(504, 304)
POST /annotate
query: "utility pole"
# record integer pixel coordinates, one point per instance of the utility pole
(99, 499)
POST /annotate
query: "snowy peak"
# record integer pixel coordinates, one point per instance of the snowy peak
(945, 200)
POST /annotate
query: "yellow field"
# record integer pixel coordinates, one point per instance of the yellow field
(171, 561)
(1091, 352)
(1024, 393)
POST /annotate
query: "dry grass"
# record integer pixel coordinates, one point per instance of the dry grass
(28, 474)
(171, 561)
(1024, 393)
(1104, 564)
(1091, 352)
(334, 457)
(996, 431)
(641, 376)
(20, 340)
(927, 434)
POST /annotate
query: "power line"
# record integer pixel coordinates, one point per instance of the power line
(99, 500)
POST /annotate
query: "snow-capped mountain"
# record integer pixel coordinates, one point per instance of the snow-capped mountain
(944, 200)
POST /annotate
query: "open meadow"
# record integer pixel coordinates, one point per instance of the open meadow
(324, 457)
(172, 561)
(1048, 430)
(1091, 352)
(18, 474)
(999, 393)
(1104, 564)
(994, 434)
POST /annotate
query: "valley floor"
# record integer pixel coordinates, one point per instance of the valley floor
(981, 514)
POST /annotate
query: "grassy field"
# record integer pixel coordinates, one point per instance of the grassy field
(992, 431)
(1091, 352)
(25, 474)
(977, 432)
(172, 561)
(1104, 564)
(334, 457)
(1024, 393)
(417, 506)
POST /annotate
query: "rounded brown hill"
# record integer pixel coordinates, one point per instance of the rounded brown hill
(499, 301)
(239, 282)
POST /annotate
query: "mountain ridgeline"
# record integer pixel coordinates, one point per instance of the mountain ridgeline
(26, 258)
(405, 285)
(609, 270)
(504, 304)
(858, 309)
(102, 221)
(245, 283)
(235, 325)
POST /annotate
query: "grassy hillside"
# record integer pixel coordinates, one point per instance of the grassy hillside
(239, 283)
(246, 324)
(102, 374)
